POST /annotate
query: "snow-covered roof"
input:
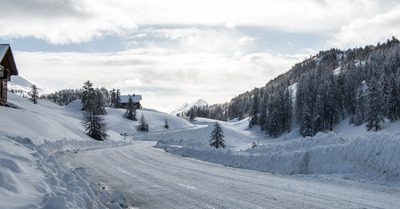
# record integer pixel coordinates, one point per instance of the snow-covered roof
(5, 53)
(136, 98)
(3, 50)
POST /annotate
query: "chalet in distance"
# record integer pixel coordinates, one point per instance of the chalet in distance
(136, 100)
(7, 69)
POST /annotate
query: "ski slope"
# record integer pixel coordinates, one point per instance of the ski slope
(152, 178)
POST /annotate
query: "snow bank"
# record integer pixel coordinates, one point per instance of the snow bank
(33, 177)
(374, 153)
(33, 141)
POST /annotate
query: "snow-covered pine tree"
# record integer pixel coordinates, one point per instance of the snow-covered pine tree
(118, 99)
(34, 94)
(273, 126)
(318, 118)
(131, 110)
(375, 117)
(93, 120)
(359, 116)
(254, 112)
(113, 98)
(263, 112)
(306, 128)
(393, 99)
(192, 115)
(100, 102)
(94, 124)
(217, 137)
(87, 94)
(143, 126)
(287, 111)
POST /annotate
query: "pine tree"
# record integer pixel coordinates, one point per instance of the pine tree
(93, 119)
(34, 94)
(100, 102)
(143, 126)
(217, 137)
(375, 117)
(192, 115)
(287, 111)
(306, 128)
(113, 98)
(94, 124)
(254, 109)
(131, 110)
(318, 118)
(118, 99)
(393, 99)
(87, 94)
(359, 116)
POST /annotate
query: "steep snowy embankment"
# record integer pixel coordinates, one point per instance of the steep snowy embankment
(367, 155)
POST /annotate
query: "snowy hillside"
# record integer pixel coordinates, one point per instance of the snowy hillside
(186, 107)
(22, 87)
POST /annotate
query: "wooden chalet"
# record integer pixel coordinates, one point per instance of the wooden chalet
(136, 100)
(7, 69)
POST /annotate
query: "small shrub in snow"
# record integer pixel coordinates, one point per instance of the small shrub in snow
(143, 126)
(166, 124)
(254, 144)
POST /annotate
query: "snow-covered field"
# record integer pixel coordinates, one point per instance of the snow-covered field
(43, 149)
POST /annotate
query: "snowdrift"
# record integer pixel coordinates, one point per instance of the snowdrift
(369, 155)
(31, 179)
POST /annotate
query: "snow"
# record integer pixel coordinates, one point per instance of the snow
(186, 107)
(157, 179)
(337, 71)
(33, 140)
(349, 151)
(42, 147)
(22, 86)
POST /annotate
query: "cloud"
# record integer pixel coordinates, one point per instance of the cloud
(63, 22)
(72, 21)
(172, 77)
(127, 84)
(366, 31)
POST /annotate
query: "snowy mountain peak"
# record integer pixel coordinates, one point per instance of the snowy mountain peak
(185, 107)
(200, 102)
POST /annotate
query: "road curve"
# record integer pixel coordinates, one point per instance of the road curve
(152, 178)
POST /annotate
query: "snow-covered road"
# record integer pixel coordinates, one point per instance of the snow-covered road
(152, 178)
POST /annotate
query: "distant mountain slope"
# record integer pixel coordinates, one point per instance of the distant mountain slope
(185, 107)
(330, 87)
(22, 87)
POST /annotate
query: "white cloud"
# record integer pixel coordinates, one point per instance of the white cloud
(71, 21)
(171, 77)
(365, 31)
(230, 25)
(62, 22)
(129, 84)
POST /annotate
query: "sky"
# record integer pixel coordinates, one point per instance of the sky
(177, 51)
